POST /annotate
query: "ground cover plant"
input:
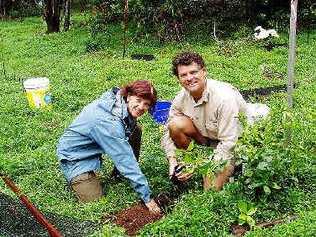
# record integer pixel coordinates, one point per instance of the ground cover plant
(277, 156)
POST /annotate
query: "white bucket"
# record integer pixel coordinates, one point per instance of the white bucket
(37, 92)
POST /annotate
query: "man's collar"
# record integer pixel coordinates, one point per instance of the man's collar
(204, 98)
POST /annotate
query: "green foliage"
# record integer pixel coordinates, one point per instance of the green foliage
(20, 8)
(172, 20)
(109, 230)
(208, 213)
(246, 211)
(198, 159)
(304, 226)
(270, 155)
(28, 138)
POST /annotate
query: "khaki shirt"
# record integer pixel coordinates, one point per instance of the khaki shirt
(215, 115)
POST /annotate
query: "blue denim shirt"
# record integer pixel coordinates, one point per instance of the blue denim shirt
(103, 126)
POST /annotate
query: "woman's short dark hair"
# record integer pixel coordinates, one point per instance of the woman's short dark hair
(186, 58)
(141, 88)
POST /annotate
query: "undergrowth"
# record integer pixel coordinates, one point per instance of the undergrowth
(277, 155)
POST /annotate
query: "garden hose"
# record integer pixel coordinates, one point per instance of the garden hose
(53, 232)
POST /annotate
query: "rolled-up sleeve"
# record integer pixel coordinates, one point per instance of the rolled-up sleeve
(110, 135)
(228, 130)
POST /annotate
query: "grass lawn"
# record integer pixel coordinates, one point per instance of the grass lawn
(28, 138)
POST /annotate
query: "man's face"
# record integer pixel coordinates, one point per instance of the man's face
(192, 78)
(137, 106)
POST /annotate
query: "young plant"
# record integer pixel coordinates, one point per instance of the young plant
(267, 156)
(197, 158)
(246, 211)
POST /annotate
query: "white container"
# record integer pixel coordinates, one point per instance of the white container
(37, 92)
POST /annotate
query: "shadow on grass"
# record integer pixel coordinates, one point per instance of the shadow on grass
(16, 221)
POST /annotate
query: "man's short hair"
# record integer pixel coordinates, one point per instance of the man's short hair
(186, 58)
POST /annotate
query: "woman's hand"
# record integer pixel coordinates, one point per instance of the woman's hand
(153, 207)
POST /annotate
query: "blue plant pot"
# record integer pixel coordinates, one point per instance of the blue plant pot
(160, 111)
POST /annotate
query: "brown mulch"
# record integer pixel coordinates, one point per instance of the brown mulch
(137, 216)
(239, 230)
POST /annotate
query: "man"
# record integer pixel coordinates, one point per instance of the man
(207, 112)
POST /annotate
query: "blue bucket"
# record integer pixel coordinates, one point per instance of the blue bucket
(160, 111)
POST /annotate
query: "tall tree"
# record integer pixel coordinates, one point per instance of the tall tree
(67, 4)
(4, 5)
(52, 15)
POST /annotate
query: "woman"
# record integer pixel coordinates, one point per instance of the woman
(107, 126)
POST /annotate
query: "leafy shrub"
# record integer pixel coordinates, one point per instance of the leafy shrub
(172, 20)
(197, 158)
(274, 155)
(19, 8)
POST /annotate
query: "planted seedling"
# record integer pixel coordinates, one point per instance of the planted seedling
(245, 220)
(198, 159)
(265, 160)
(246, 211)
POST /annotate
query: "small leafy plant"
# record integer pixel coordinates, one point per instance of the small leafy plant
(246, 211)
(197, 158)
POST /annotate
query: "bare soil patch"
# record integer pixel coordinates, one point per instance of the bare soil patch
(137, 216)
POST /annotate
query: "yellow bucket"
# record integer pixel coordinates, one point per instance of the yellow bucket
(37, 92)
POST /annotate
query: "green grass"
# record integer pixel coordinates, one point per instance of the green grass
(303, 226)
(28, 138)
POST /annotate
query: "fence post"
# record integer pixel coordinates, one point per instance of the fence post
(292, 53)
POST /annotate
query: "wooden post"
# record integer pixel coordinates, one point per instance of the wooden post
(292, 53)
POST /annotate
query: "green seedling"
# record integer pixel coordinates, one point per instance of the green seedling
(246, 211)
(197, 158)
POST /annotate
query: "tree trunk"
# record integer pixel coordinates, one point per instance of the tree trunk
(67, 15)
(52, 15)
(3, 4)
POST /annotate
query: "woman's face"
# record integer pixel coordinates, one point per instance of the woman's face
(137, 106)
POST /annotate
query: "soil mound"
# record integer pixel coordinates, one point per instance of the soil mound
(135, 217)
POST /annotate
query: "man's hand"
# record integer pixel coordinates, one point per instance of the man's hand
(153, 207)
(183, 176)
(174, 166)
